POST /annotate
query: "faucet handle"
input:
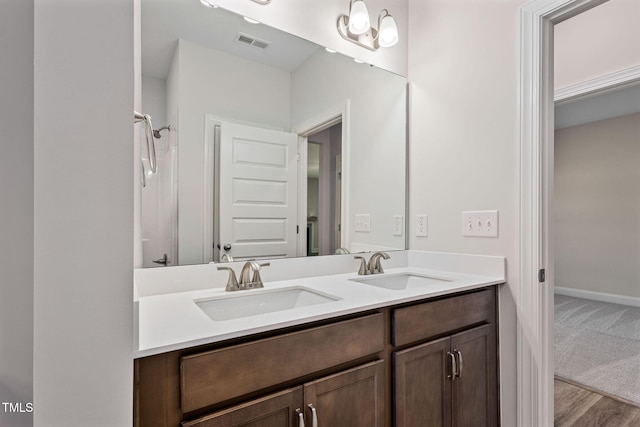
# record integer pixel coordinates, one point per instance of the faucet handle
(232, 282)
(364, 270)
(256, 280)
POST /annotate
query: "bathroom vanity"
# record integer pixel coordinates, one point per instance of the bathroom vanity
(377, 355)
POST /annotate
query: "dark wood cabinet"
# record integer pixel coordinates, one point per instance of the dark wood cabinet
(428, 363)
(276, 410)
(352, 398)
(451, 381)
(422, 389)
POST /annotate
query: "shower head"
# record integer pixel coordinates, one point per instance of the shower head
(156, 132)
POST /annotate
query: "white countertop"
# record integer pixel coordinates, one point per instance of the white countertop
(172, 321)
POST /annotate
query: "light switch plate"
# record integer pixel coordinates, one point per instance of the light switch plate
(398, 225)
(480, 223)
(363, 223)
(422, 229)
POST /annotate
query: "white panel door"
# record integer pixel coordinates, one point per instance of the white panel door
(258, 188)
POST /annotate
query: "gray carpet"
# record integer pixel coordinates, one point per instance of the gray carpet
(598, 344)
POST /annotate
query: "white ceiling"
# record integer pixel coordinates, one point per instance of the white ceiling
(166, 21)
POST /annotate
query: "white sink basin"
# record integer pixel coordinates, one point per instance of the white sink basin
(398, 282)
(254, 302)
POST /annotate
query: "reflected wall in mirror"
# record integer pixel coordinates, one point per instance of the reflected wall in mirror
(272, 147)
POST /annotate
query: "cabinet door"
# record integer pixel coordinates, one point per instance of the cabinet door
(475, 390)
(276, 410)
(422, 386)
(353, 398)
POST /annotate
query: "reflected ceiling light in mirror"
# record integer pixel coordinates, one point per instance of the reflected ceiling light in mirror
(357, 29)
(208, 3)
(250, 21)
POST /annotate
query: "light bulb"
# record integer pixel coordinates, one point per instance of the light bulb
(388, 32)
(359, 18)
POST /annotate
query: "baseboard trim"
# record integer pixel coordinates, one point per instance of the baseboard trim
(598, 296)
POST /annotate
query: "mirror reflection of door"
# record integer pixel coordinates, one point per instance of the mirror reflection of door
(324, 188)
(258, 187)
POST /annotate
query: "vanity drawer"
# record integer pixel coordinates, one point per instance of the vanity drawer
(440, 317)
(215, 376)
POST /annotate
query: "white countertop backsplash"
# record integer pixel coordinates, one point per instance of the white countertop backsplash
(168, 319)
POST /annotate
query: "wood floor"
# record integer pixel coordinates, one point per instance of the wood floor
(576, 406)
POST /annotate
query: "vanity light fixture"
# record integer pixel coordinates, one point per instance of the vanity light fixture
(356, 27)
(358, 19)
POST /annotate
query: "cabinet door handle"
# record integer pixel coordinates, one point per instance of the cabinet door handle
(300, 417)
(452, 358)
(459, 354)
(314, 416)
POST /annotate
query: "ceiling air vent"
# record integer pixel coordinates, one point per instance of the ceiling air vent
(252, 41)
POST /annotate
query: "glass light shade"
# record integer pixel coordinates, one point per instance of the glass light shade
(388, 32)
(359, 18)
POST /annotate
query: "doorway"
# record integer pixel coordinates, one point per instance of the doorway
(324, 190)
(536, 258)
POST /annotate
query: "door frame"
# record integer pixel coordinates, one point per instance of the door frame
(534, 299)
(338, 113)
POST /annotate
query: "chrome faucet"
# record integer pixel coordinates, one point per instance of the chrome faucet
(246, 280)
(374, 266)
(226, 257)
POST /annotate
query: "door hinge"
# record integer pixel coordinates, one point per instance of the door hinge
(541, 275)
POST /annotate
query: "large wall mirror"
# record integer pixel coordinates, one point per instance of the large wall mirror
(267, 145)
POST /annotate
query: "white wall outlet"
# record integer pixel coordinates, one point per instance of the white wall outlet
(422, 226)
(480, 223)
(363, 223)
(398, 225)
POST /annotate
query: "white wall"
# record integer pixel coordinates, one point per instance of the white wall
(316, 21)
(83, 223)
(16, 213)
(377, 137)
(597, 42)
(217, 83)
(597, 206)
(464, 146)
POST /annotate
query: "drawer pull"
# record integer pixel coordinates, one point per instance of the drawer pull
(314, 416)
(300, 417)
(454, 369)
(459, 354)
